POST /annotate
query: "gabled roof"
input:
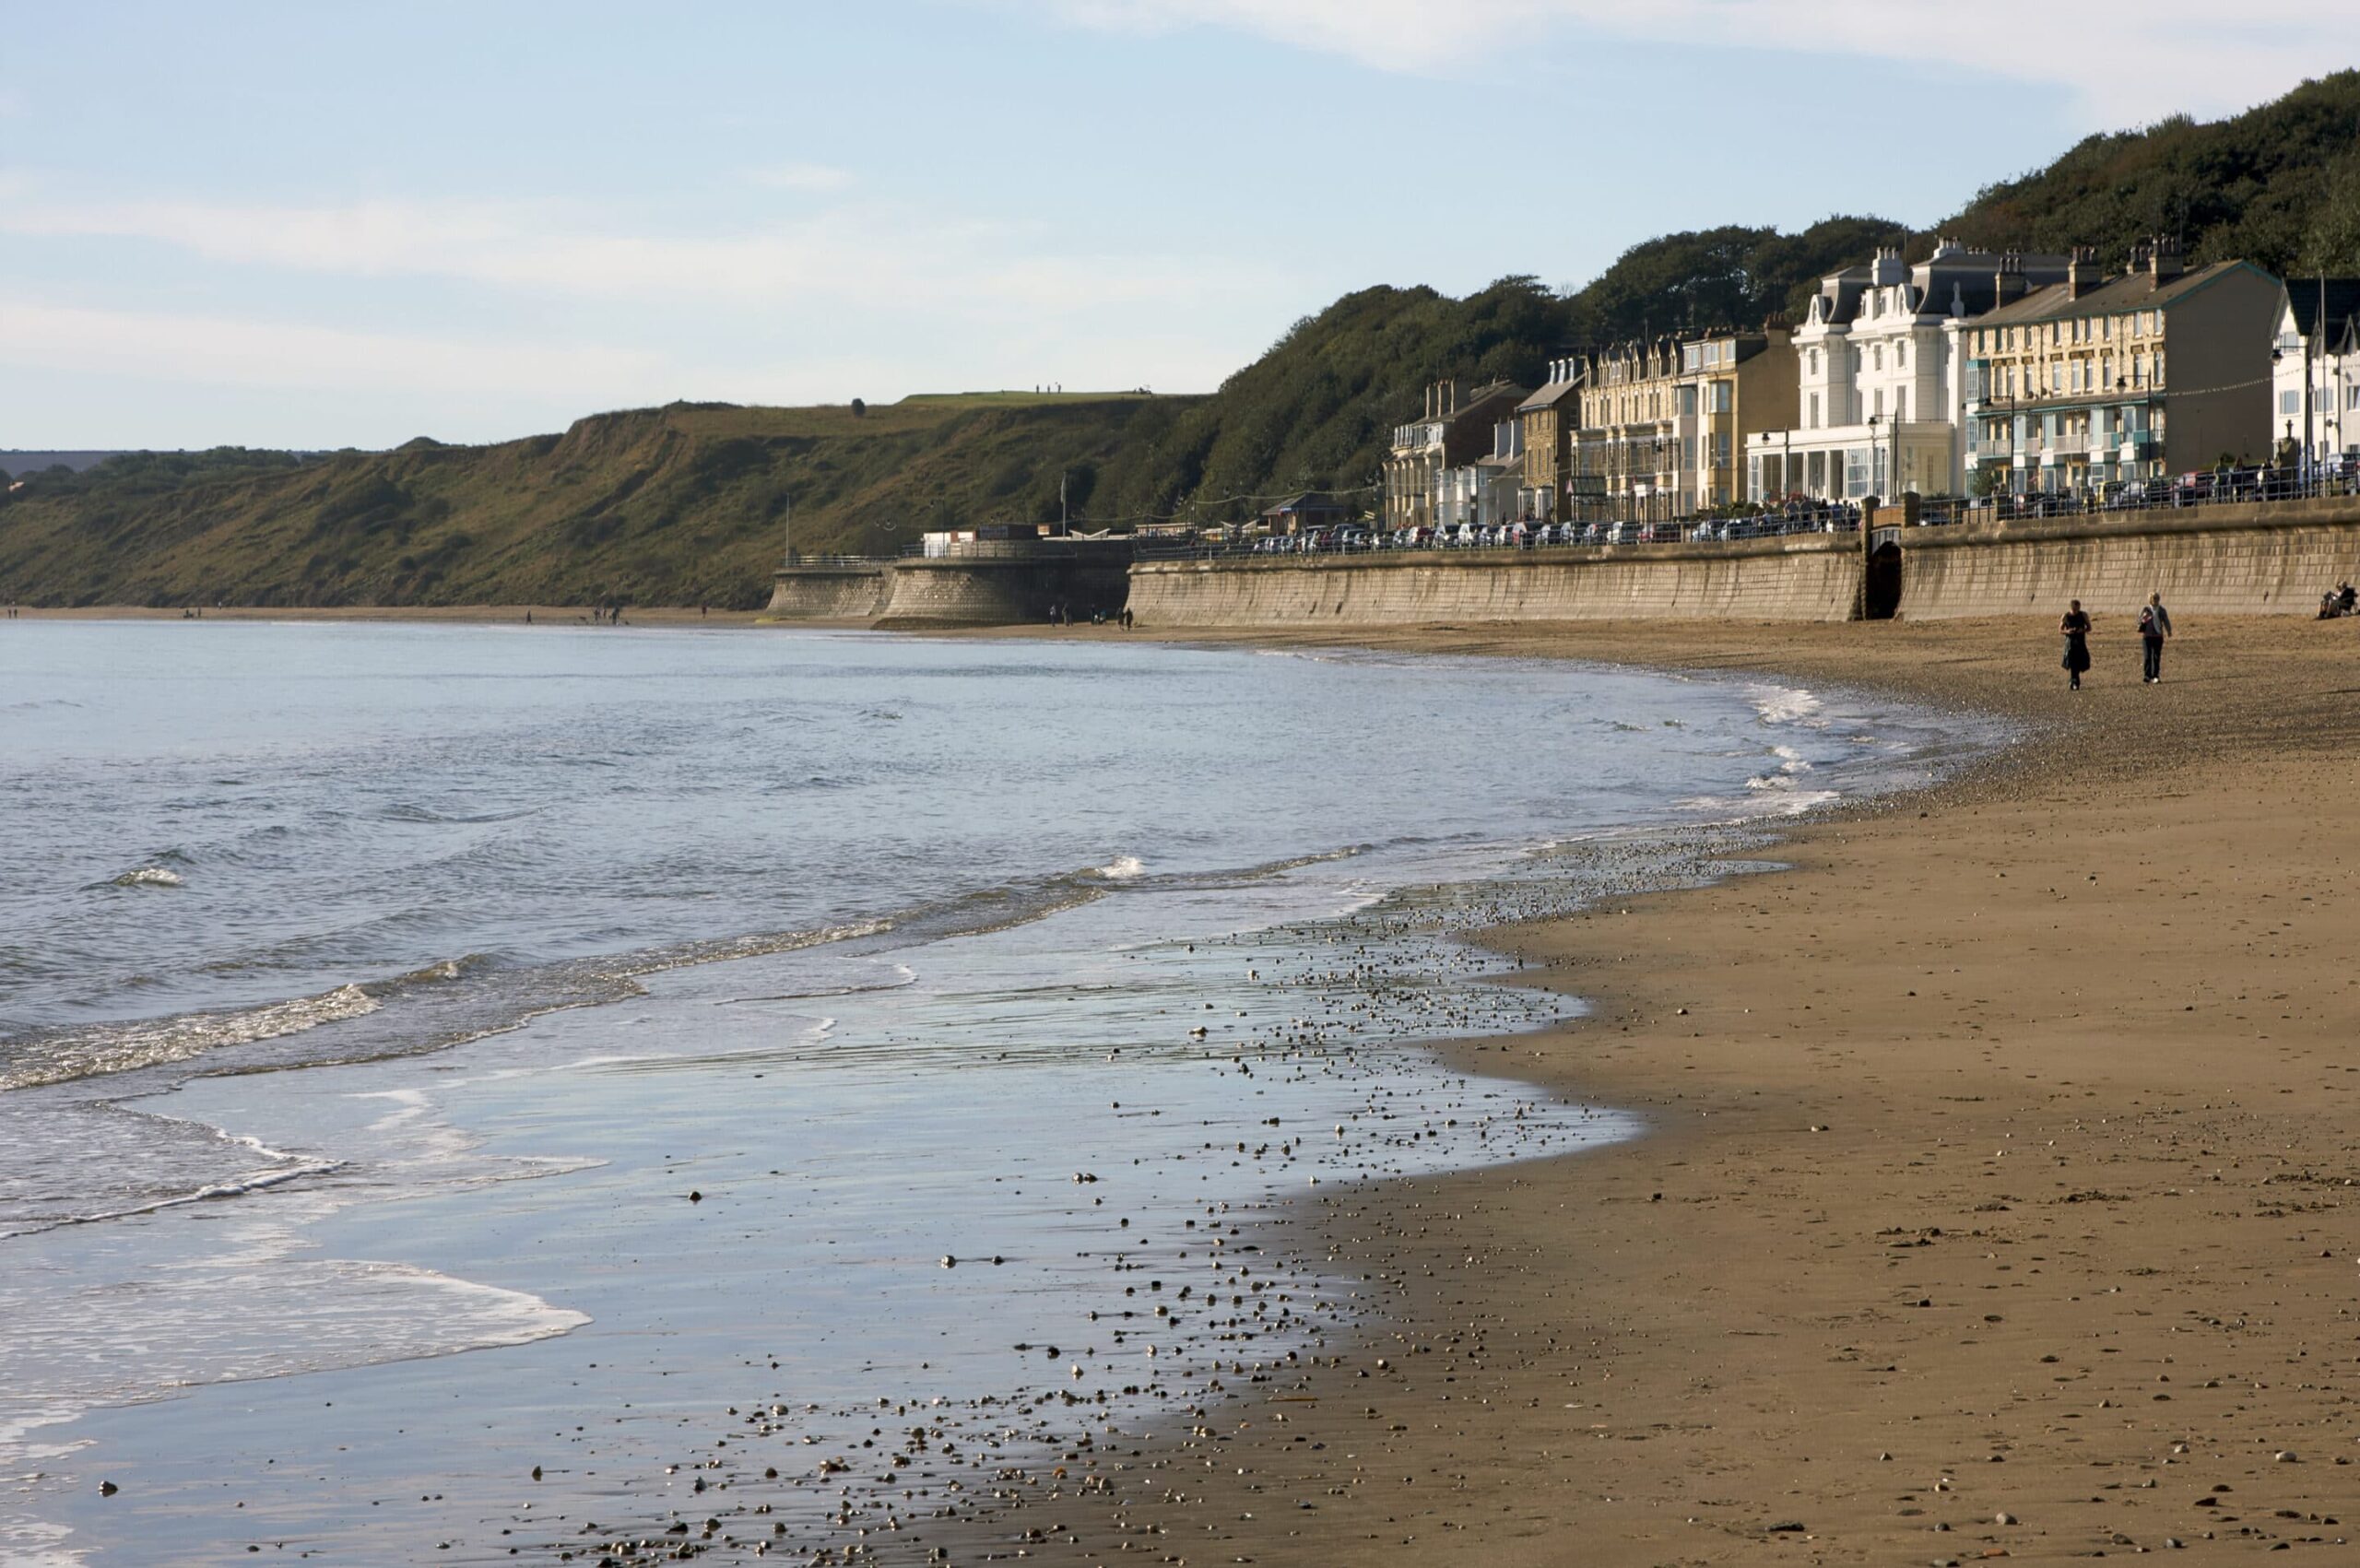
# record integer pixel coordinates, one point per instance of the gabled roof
(1549, 395)
(2343, 302)
(2131, 291)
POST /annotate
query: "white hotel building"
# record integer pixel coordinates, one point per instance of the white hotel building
(2315, 369)
(1881, 396)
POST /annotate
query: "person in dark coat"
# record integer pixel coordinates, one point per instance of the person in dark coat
(2154, 625)
(2076, 627)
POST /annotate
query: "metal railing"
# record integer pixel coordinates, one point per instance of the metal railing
(2220, 487)
(2240, 486)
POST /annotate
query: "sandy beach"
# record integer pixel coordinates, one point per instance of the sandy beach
(1995, 1200)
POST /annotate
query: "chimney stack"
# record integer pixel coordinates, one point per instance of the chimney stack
(2008, 283)
(2164, 262)
(2082, 274)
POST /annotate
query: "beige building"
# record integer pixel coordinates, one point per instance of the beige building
(1450, 435)
(1663, 424)
(1549, 418)
(2086, 382)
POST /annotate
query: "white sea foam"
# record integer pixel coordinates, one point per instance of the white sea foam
(148, 877)
(1122, 869)
(119, 1048)
(1783, 704)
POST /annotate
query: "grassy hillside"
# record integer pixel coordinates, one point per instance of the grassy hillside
(684, 504)
(678, 505)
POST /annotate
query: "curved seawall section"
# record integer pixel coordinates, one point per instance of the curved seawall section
(830, 593)
(1807, 577)
(2274, 560)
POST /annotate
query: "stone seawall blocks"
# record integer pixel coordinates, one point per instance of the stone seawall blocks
(1813, 577)
(2206, 560)
(829, 593)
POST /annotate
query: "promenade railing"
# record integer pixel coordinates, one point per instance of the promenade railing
(2239, 486)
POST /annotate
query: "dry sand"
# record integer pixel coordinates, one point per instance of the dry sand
(1999, 1197)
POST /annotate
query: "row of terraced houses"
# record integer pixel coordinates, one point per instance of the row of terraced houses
(1963, 374)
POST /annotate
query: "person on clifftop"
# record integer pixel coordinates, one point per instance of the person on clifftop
(2154, 625)
(2076, 627)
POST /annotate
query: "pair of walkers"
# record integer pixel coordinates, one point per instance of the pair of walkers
(2154, 625)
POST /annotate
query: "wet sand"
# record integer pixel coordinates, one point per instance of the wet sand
(1999, 1196)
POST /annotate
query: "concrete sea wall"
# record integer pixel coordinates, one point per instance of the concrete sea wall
(2208, 561)
(830, 593)
(1806, 577)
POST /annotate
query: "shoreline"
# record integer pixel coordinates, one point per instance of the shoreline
(1885, 1268)
(1672, 1349)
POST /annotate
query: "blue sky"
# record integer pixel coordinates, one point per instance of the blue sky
(317, 226)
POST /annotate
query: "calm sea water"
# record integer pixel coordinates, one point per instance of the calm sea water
(373, 994)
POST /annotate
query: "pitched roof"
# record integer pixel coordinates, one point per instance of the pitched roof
(2131, 291)
(2343, 301)
(1549, 396)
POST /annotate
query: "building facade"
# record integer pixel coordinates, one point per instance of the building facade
(1449, 435)
(1550, 417)
(1878, 407)
(2086, 383)
(2315, 371)
(1663, 422)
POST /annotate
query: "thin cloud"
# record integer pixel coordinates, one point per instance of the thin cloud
(226, 351)
(859, 254)
(2156, 58)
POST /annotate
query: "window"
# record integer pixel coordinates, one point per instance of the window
(1901, 354)
(1815, 361)
(1721, 397)
(2352, 397)
(1813, 423)
(1855, 471)
(1877, 355)
(1687, 399)
(2290, 402)
(1880, 407)
(1901, 405)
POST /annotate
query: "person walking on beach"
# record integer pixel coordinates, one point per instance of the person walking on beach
(2076, 627)
(2154, 625)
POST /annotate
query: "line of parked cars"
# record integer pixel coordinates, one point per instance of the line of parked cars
(1345, 541)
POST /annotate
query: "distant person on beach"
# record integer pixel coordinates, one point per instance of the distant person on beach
(2076, 627)
(2154, 625)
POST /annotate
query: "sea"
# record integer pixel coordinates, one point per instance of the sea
(552, 1094)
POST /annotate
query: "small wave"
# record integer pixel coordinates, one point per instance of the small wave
(146, 877)
(237, 1187)
(1122, 869)
(406, 812)
(1785, 704)
(114, 1048)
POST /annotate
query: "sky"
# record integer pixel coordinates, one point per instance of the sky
(316, 226)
